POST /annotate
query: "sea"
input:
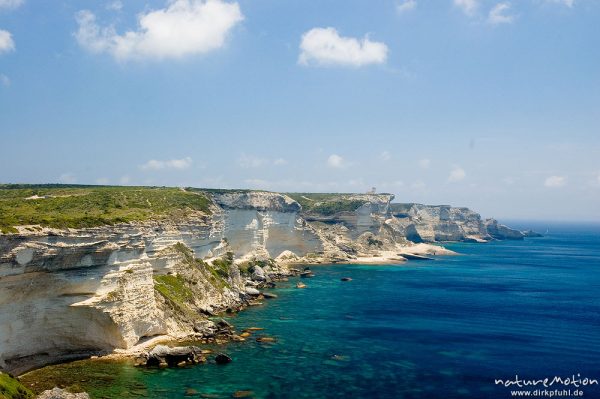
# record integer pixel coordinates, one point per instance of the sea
(500, 319)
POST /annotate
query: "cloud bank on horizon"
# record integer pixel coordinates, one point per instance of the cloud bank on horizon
(470, 102)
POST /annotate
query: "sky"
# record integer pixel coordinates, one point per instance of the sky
(489, 104)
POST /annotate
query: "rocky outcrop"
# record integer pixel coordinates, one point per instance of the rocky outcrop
(502, 232)
(439, 223)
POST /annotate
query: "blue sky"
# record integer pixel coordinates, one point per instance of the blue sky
(493, 105)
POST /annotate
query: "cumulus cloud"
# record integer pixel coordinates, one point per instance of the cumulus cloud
(325, 47)
(405, 6)
(184, 27)
(10, 3)
(6, 42)
(336, 161)
(469, 7)
(124, 180)
(424, 163)
(103, 181)
(555, 181)
(280, 162)
(499, 14)
(456, 174)
(180, 164)
(385, 156)
(115, 6)
(4, 80)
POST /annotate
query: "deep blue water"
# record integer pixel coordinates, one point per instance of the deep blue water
(427, 329)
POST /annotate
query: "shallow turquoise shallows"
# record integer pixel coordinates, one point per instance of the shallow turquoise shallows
(445, 328)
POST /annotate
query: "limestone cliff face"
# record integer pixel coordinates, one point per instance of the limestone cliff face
(73, 292)
(68, 293)
(432, 223)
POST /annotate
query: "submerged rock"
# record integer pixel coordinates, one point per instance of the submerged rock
(242, 394)
(266, 339)
(268, 295)
(222, 358)
(346, 279)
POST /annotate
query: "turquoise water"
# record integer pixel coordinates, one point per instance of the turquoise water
(428, 329)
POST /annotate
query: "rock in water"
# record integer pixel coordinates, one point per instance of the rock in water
(266, 339)
(252, 291)
(346, 279)
(268, 295)
(163, 355)
(222, 358)
(242, 394)
(58, 393)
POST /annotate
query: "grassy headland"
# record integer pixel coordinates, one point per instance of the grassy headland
(64, 206)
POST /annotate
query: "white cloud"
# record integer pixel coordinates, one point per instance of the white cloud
(336, 161)
(469, 7)
(456, 174)
(10, 3)
(555, 181)
(250, 161)
(280, 161)
(424, 163)
(498, 14)
(67, 178)
(405, 6)
(568, 3)
(180, 164)
(184, 27)
(124, 180)
(325, 47)
(115, 6)
(4, 80)
(385, 156)
(6, 42)
(102, 181)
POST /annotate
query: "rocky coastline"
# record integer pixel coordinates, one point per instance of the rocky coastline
(121, 289)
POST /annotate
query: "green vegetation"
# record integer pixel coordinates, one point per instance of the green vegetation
(221, 265)
(101, 378)
(374, 242)
(89, 206)
(174, 289)
(326, 204)
(11, 388)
